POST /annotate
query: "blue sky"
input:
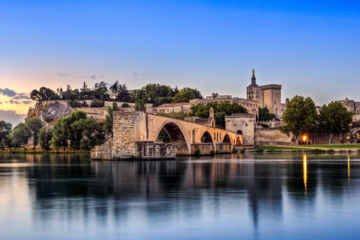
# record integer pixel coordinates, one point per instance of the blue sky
(310, 47)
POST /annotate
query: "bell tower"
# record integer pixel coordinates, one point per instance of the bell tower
(253, 78)
(253, 90)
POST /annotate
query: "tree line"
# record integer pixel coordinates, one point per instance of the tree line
(156, 94)
(76, 132)
(301, 117)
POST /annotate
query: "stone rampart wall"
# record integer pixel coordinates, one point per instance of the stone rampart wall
(271, 136)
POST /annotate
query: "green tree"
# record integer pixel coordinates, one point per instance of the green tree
(77, 131)
(154, 93)
(140, 105)
(59, 132)
(43, 94)
(120, 92)
(265, 115)
(34, 125)
(19, 135)
(334, 118)
(5, 129)
(221, 109)
(92, 133)
(300, 117)
(45, 136)
(85, 92)
(186, 94)
(101, 91)
(108, 123)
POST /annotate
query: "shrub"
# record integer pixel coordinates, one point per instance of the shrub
(75, 104)
(97, 103)
(212, 153)
(85, 104)
(125, 105)
(197, 152)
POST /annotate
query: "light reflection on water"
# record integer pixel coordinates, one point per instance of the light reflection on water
(252, 196)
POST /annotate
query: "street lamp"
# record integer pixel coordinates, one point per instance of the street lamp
(304, 138)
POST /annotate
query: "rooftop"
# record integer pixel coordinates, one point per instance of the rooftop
(173, 104)
(271, 86)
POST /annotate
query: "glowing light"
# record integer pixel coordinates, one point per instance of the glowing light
(348, 137)
(305, 171)
(304, 138)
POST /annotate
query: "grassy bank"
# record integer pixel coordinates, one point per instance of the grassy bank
(331, 149)
(330, 146)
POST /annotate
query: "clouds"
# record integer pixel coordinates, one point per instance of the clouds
(14, 102)
(94, 76)
(21, 96)
(12, 97)
(7, 92)
(11, 116)
(90, 76)
(26, 102)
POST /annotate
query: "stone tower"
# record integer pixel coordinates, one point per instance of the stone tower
(253, 90)
(212, 117)
(272, 98)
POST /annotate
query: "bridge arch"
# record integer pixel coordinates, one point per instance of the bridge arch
(175, 135)
(206, 138)
(239, 140)
(227, 139)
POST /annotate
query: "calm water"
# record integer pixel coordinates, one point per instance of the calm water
(263, 196)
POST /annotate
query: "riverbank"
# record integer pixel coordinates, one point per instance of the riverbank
(330, 148)
(37, 151)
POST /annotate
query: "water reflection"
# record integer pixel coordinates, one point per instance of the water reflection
(236, 193)
(348, 168)
(305, 171)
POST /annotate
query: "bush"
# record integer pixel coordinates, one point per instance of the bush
(197, 152)
(97, 103)
(125, 105)
(212, 153)
(85, 104)
(331, 151)
(75, 104)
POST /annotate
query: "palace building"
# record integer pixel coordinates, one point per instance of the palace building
(257, 96)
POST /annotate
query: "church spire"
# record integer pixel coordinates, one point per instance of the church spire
(253, 78)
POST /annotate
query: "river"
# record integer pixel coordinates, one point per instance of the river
(245, 196)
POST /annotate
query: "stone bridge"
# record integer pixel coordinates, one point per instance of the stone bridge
(130, 128)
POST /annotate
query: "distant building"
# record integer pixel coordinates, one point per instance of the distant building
(169, 108)
(268, 96)
(352, 106)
